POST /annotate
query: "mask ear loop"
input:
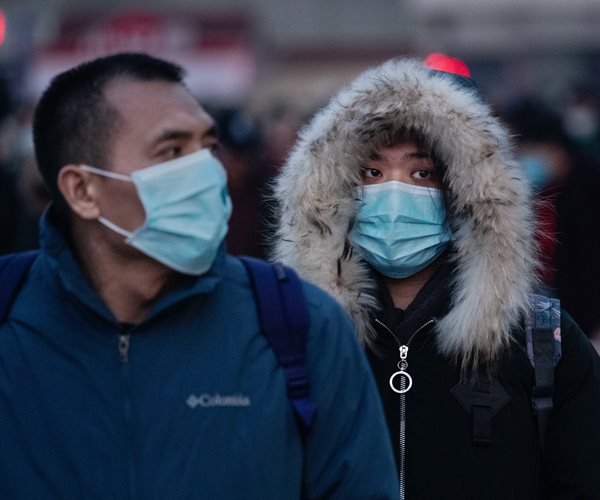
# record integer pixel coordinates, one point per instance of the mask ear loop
(112, 175)
(113, 227)
(106, 173)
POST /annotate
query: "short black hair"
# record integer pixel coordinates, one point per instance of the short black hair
(422, 141)
(73, 122)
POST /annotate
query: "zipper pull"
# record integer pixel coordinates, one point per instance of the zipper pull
(406, 379)
(124, 347)
(403, 353)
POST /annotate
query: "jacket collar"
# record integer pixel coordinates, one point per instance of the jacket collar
(57, 254)
(431, 302)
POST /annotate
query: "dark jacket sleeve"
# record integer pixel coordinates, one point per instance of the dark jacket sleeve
(348, 453)
(572, 455)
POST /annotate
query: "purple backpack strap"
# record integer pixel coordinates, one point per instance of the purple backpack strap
(284, 321)
(13, 270)
(542, 331)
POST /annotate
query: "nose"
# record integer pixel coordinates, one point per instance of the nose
(398, 175)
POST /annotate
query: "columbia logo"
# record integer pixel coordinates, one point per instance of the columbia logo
(216, 400)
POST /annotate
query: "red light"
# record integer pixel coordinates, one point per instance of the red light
(2, 27)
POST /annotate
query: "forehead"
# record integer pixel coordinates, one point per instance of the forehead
(148, 106)
(404, 153)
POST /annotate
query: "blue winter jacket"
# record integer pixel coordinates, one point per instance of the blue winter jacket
(190, 403)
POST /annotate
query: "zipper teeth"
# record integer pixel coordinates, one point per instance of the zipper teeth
(430, 322)
(402, 436)
(390, 331)
(124, 347)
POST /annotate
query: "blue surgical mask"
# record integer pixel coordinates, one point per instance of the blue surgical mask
(187, 211)
(400, 228)
(537, 169)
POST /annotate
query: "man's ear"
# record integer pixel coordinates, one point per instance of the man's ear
(79, 191)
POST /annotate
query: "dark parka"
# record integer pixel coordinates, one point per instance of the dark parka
(469, 318)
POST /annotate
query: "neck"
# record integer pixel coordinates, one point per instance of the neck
(129, 284)
(404, 290)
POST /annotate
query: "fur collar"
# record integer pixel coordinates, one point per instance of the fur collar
(489, 205)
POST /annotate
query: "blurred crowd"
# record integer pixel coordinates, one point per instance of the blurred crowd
(558, 145)
(559, 149)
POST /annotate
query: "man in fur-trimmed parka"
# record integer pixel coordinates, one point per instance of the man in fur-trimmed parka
(402, 198)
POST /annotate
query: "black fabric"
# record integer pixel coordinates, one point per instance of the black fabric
(429, 303)
(482, 400)
(383, 355)
(9, 203)
(481, 417)
(543, 351)
(442, 459)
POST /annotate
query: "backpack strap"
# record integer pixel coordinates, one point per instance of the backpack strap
(482, 398)
(284, 321)
(13, 270)
(542, 332)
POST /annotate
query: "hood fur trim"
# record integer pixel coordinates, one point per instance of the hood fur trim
(489, 207)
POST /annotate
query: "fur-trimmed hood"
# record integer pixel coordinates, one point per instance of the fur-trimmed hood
(488, 202)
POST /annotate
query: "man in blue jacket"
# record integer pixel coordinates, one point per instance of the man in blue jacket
(132, 363)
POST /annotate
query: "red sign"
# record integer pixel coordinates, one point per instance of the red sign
(217, 51)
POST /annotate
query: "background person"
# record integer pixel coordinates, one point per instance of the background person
(566, 184)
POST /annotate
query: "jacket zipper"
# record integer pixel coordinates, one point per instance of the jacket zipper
(123, 348)
(404, 378)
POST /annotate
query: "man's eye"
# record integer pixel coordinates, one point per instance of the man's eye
(172, 152)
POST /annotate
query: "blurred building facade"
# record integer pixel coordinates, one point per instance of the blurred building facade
(299, 52)
(262, 67)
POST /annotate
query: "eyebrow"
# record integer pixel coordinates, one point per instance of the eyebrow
(173, 134)
(418, 154)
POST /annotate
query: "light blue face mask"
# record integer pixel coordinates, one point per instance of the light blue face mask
(187, 210)
(400, 228)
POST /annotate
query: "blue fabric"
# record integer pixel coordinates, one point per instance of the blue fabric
(198, 410)
(284, 321)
